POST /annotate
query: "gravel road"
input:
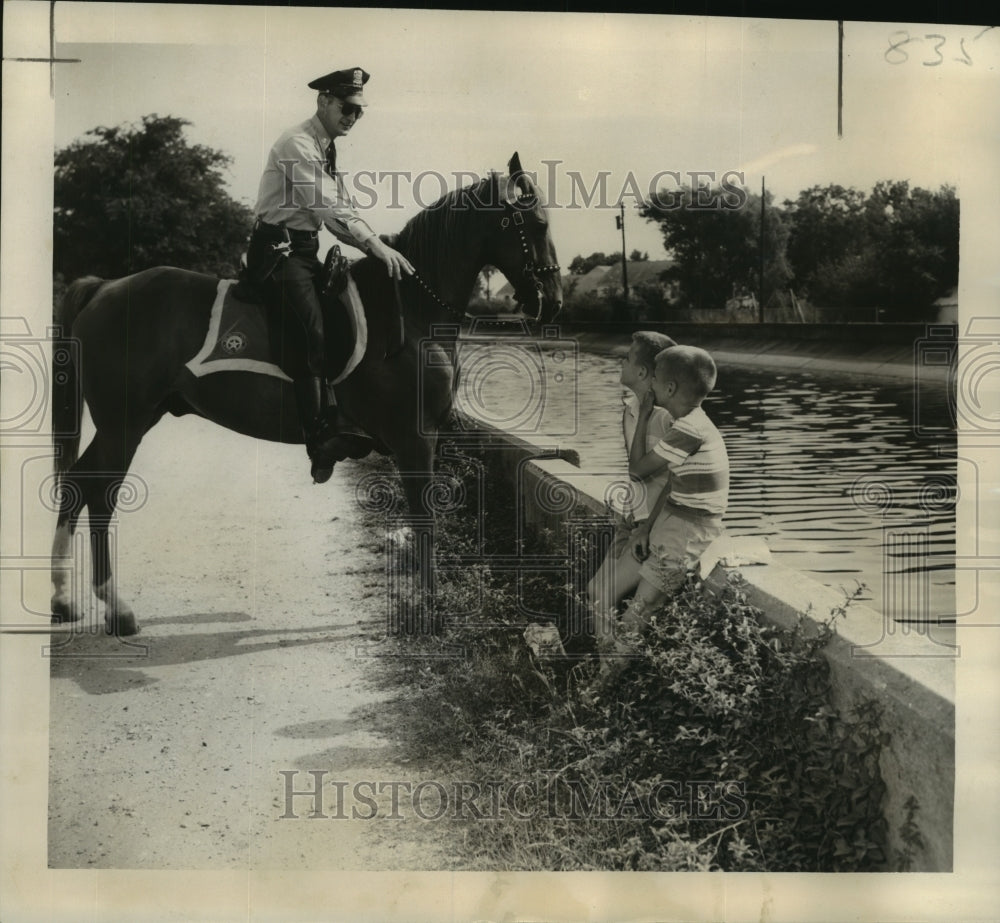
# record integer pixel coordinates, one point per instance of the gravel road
(260, 598)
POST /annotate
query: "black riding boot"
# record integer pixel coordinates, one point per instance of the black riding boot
(329, 436)
(309, 400)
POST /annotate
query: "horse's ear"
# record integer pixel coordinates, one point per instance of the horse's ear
(503, 188)
(517, 178)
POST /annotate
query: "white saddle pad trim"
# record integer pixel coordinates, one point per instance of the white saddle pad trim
(351, 299)
(199, 365)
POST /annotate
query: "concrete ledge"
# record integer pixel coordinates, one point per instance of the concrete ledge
(909, 671)
(912, 677)
(869, 350)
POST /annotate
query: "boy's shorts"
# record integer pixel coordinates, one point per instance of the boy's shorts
(676, 542)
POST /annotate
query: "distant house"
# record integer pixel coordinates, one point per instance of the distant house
(641, 273)
(589, 283)
(505, 295)
(606, 281)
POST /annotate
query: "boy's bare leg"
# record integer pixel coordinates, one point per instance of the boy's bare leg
(648, 598)
(616, 577)
(617, 651)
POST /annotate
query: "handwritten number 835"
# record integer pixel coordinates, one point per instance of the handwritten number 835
(896, 53)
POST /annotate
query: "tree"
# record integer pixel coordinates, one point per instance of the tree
(827, 224)
(129, 198)
(895, 249)
(714, 238)
(637, 256)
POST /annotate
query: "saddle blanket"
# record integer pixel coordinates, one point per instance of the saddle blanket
(238, 341)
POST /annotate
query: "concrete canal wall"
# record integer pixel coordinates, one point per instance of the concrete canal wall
(907, 670)
(893, 351)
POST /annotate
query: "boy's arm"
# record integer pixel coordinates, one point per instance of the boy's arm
(638, 447)
(648, 465)
(640, 537)
(641, 464)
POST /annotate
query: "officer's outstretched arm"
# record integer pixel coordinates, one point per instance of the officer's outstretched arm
(396, 264)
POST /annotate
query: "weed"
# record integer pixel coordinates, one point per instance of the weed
(909, 833)
(717, 749)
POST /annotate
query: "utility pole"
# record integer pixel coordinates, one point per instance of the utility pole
(760, 306)
(621, 224)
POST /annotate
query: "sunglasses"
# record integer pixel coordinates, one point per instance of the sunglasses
(348, 109)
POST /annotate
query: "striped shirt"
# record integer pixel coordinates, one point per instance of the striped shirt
(296, 191)
(698, 464)
(659, 424)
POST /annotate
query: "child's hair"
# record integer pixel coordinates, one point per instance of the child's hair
(649, 344)
(691, 367)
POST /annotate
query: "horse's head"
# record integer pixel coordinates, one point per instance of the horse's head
(521, 247)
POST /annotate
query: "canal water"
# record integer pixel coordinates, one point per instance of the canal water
(831, 469)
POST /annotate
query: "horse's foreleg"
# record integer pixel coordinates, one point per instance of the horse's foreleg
(411, 547)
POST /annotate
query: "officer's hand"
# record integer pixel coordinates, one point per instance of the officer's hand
(395, 263)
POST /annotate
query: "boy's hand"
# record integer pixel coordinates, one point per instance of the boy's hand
(640, 543)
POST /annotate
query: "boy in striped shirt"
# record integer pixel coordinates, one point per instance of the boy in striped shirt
(618, 574)
(687, 515)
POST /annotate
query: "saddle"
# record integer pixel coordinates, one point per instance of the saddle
(344, 321)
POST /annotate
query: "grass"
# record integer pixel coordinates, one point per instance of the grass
(718, 749)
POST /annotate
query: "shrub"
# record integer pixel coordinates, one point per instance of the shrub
(718, 749)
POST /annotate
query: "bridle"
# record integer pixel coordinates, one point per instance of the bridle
(529, 271)
(513, 218)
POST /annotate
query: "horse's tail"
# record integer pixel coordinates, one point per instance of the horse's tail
(67, 393)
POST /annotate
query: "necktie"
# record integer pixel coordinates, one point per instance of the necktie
(331, 159)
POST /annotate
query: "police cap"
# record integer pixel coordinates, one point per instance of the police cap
(346, 84)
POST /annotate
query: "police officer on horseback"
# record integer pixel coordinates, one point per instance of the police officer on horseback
(301, 191)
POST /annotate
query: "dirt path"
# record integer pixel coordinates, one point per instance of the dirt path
(258, 595)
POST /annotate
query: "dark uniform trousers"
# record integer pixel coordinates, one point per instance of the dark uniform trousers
(290, 283)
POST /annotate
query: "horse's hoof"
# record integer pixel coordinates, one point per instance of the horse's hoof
(401, 537)
(121, 624)
(63, 611)
(321, 473)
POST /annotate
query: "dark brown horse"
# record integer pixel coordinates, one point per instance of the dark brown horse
(135, 335)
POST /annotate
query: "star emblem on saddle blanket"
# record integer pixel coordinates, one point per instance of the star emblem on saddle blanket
(283, 247)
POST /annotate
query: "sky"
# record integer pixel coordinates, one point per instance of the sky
(584, 94)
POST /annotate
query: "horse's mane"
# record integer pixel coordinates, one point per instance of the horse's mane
(422, 237)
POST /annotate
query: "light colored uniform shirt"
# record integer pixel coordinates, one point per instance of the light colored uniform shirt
(659, 423)
(297, 192)
(698, 463)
